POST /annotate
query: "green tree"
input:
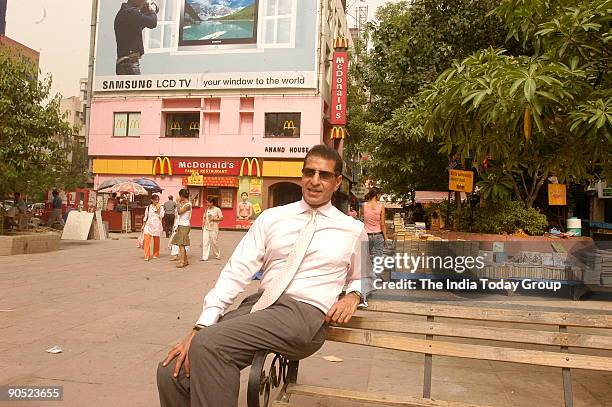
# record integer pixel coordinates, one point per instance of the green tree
(411, 44)
(35, 142)
(532, 116)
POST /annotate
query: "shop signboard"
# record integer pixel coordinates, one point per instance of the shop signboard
(249, 201)
(460, 180)
(557, 194)
(205, 166)
(339, 87)
(206, 44)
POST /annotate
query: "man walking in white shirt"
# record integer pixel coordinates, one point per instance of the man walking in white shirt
(210, 229)
(308, 252)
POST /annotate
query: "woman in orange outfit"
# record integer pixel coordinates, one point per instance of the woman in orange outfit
(153, 227)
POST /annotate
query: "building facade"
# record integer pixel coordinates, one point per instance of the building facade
(227, 104)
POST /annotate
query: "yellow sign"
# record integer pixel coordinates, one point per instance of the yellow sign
(249, 166)
(459, 180)
(164, 165)
(257, 208)
(288, 125)
(557, 194)
(337, 132)
(195, 179)
(255, 186)
(341, 42)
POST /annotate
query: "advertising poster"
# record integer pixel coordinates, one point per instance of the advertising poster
(206, 44)
(249, 201)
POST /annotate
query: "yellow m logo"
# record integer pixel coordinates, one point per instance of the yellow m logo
(120, 124)
(164, 165)
(341, 42)
(288, 125)
(337, 132)
(194, 126)
(249, 165)
(176, 126)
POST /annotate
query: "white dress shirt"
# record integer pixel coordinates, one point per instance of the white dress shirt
(336, 258)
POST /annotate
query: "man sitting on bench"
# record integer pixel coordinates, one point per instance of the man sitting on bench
(308, 252)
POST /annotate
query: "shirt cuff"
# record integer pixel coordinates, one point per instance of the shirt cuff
(209, 316)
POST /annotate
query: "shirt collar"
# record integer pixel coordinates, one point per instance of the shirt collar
(302, 207)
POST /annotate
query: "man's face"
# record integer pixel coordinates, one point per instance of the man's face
(318, 189)
(244, 197)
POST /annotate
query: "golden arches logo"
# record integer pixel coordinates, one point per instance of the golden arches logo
(194, 126)
(164, 166)
(249, 165)
(337, 132)
(120, 124)
(134, 124)
(176, 126)
(289, 125)
(341, 42)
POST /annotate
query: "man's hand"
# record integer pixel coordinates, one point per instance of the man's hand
(342, 311)
(181, 352)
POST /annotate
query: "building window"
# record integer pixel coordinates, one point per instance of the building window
(279, 23)
(283, 124)
(127, 124)
(183, 125)
(163, 37)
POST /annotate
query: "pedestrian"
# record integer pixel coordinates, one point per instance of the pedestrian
(352, 212)
(245, 208)
(210, 229)
(169, 214)
(21, 211)
(419, 213)
(152, 227)
(308, 252)
(183, 227)
(56, 209)
(374, 219)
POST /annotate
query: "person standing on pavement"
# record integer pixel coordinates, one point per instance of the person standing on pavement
(210, 229)
(374, 219)
(169, 213)
(56, 209)
(181, 237)
(152, 227)
(309, 252)
(21, 211)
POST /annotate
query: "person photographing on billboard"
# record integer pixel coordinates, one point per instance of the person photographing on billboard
(131, 19)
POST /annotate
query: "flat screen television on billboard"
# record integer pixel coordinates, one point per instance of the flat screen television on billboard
(212, 22)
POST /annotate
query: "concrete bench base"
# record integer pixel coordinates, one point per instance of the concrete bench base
(29, 243)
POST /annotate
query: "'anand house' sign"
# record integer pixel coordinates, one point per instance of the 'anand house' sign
(339, 77)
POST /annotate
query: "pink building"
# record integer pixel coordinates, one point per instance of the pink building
(226, 110)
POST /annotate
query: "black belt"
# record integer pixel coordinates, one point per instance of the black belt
(375, 233)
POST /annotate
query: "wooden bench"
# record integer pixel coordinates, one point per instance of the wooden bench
(385, 325)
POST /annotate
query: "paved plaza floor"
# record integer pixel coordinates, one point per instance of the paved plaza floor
(115, 316)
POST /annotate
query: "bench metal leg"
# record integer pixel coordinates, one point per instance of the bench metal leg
(262, 381)
(427, 368)
(567, 376)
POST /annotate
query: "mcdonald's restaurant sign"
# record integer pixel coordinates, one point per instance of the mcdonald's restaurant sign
(341, 42)
(252, 168)
(337, 132)
(162, 166)
(288, 125)
(339, 88)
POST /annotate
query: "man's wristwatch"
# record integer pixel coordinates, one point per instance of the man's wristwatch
(358, 294)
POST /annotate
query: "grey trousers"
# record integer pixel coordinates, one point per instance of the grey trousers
(218, 353)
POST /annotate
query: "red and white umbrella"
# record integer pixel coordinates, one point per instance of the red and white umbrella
(128, 187)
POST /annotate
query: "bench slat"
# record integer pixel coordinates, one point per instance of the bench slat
(374, 398)
(492, 314)
(524, 356)
(575, 340)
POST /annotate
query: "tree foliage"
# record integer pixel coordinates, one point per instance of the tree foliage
(412, 43)
(35, 142)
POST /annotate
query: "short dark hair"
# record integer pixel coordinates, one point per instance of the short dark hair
(155, 196)
(184, 193)
(213, 200)
(54, 192)
(170, 197)
(17, 194)
(244, 193)
(328, 153)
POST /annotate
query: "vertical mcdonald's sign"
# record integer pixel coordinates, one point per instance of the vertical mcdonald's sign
(339, 87)
(250, 163)
(163, 163)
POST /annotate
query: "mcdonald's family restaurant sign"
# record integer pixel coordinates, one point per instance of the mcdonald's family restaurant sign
(462, 181)
(182, 166)
(339, 87)
(196, 179)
